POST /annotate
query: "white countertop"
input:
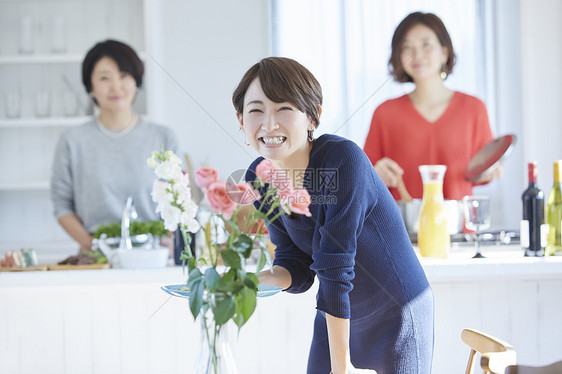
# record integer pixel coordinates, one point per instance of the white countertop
(500, 262)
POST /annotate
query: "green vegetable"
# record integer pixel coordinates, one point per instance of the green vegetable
(97, 255)
(113, 230)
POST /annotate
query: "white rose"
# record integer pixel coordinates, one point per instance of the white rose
(172, 158)
(190, 223)
(189, 207)
(167, 171)
(171, 216)
(181, 187)
(152, 163)
(160, 192)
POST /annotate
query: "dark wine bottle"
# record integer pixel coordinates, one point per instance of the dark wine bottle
(533, 230)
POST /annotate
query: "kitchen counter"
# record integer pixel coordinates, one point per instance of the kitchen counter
(119, 321)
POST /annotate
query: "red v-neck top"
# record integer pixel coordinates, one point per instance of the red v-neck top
(399, 132)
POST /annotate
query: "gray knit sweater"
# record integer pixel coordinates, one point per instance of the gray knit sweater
(94, 172)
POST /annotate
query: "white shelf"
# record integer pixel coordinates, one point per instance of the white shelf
(44, 122)
(24, 186)
(41, 58)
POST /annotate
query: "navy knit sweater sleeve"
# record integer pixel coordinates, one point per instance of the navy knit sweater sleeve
(340, 221)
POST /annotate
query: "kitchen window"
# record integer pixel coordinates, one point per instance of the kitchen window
(346, 45)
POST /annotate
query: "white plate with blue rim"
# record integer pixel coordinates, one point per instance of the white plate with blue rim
(181, 290)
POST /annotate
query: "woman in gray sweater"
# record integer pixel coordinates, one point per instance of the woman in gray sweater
(99, 164)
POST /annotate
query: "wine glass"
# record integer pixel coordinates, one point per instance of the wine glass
(477, 217)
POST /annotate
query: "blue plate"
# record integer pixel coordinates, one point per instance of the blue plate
(180, 290)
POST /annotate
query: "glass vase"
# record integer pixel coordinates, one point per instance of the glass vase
(215, 355)
(212, 232)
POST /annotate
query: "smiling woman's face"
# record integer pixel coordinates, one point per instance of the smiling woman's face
(422, 55)
(113, 89)
(277, 131)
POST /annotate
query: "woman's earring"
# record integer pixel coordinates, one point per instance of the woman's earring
(310, 135)
(443, 72)
(246, 140)
(91, 94)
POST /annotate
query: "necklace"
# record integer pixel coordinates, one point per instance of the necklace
(117, 134)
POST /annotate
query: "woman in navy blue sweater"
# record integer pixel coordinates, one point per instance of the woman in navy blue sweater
(374, 304)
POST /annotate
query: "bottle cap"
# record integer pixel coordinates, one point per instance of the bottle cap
(533, 172)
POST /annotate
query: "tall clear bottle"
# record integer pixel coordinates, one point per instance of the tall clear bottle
(533, 230)
(433, 236)
(554, 214)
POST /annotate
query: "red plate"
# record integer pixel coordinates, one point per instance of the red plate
(489, 157)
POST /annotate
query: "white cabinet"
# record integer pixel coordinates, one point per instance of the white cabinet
(42, 45)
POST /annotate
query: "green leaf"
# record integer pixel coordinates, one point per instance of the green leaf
(229, 275)
(212, 278)
(261, 261)
(196, 296)
(229, 286)
(191, 264)
(224, 309)
(231, 258)
(243, 245)
(247, 304)
(251, 281)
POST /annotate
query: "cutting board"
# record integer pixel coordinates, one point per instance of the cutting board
(29, 268)
(78, 267)
(57, 267)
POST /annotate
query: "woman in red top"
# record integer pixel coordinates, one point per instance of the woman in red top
(432, 124)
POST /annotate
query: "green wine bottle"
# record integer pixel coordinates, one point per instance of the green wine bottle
(554, 214)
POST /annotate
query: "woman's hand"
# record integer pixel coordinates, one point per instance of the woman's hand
(72, 225)
(496, 174)
(389, 171)
(276, 276)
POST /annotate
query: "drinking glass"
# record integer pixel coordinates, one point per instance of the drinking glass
(42, 104)
(477, 216)
(13, 104)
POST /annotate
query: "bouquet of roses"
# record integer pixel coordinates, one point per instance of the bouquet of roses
(219, 282)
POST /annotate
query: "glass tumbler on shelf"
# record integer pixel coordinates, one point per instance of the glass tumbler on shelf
(42, 104)
(477, 216)
(13, 104)
(59, 35)
(433, 235)
(26, 35)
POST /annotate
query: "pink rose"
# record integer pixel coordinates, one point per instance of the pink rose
(298, 201)
(219, 199)
(265, 170)
(205, 176)
(243, 193)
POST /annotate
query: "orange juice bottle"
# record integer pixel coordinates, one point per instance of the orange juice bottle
(433, 237)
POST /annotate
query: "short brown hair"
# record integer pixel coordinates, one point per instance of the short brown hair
(282, 80)
(436, 25)
(125, 57)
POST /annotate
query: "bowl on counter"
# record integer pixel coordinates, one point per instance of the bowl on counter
(153, 258)
(146, 252)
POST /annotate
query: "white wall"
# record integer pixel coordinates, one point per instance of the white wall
(541, 89)
(204, 48)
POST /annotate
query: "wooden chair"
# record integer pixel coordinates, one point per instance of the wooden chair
(555, 368)
(497, 355)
